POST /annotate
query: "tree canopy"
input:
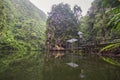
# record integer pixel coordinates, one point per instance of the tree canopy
(63, 23)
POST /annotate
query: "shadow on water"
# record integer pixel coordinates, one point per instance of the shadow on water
(21, 65)
(90, 67)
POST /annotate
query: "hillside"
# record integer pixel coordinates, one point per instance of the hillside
(22, 26)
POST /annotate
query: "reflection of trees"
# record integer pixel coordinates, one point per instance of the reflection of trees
(22, 66)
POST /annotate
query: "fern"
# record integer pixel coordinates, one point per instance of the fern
(114, 20)
(110, 47)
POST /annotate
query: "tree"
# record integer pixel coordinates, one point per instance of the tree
(1, 17)
(62, 23)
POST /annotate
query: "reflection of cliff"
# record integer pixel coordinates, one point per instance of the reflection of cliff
(55, 54)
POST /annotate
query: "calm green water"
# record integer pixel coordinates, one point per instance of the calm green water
(21, 66)
(35, 66)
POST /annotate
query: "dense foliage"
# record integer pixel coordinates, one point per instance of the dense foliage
(22, 28)
(22, 25)
(102, 24)
(1, 16)
(62, 24)
(102, 21)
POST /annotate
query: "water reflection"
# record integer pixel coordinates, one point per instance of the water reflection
(82, 75)
(34, 66)
(91, 67)
(21, 66)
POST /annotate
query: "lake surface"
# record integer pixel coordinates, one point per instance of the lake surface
(36, 66)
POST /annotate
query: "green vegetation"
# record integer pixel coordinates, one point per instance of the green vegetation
(102, 24)
(111, 47)
(102, 21)
(1, 17)
(22, 26)
(22, 29)
(62, 24)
